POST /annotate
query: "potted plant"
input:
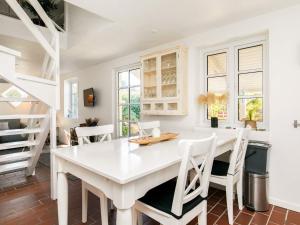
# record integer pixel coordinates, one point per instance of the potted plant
(210, 99)
(252, 109)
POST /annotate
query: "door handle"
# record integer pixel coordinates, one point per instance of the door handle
(296, 124)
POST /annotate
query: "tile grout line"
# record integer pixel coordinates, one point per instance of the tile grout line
(270, 215)
(286, 216)
(252, 218)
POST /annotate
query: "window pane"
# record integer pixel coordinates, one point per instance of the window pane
(123, 79)
(123, 112)
(251, 109)
(135, 95)
(217, 85)
(135, 77)
(250, 84)
(216, 64)
(217, 109)
(134, 129)
(251, 58)
(123, 96)
(135, 112)
(124, 129)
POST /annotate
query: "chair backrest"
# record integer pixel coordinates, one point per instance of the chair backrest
(192, 150)
(237, 157)
(83, 133)
(144, 126)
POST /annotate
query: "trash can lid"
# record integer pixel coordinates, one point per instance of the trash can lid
(257, 175)
(260, 144)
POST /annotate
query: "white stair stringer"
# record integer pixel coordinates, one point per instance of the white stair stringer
(42, 89)
(36, 150)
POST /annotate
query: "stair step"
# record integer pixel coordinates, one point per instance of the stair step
(6, 168)
(20, 131)
(17, 144)
(15, 157)
(3, 99)
(23, 116)
(35, 79)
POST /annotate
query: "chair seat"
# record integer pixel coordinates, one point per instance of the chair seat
(220, 168)
(161, 198)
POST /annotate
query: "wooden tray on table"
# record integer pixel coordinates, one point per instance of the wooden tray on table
(152, 140)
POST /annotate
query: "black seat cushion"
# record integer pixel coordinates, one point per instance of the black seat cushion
(161, 198)
(220, 168)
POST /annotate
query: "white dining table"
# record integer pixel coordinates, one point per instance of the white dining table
(124, 171)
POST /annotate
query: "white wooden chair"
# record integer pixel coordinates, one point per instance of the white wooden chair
(146, 126)
(176, 202)
(101, 133)
(231, 174)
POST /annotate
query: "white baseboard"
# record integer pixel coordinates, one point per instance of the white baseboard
(284, 204)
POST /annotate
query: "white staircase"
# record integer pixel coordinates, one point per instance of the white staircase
(44, 96)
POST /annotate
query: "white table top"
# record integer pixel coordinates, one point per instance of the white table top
(123, 162)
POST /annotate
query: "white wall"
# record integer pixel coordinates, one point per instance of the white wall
(284, 79)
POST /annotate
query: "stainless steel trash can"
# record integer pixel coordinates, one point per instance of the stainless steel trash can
(256, 191)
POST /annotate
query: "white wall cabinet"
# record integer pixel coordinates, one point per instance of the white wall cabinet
(164, 82)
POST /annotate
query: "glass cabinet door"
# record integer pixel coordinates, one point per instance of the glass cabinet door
(150, 78)
(169, 75)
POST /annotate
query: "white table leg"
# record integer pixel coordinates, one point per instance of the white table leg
(124, 217)
(62, 199)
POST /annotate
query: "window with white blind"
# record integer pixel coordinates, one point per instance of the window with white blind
(239, 71)
(250, 73)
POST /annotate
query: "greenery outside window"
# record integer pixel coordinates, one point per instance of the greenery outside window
(129, 101)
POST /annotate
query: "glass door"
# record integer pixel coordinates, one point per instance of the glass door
(150, 78)
(169, 75)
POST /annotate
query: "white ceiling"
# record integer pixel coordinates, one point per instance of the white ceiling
(107, 29)
(140, 24)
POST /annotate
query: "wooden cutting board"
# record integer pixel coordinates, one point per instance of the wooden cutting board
(152, 140)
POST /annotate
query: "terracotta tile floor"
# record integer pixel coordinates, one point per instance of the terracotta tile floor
(26, 201)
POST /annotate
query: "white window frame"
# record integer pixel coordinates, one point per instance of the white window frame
(117, 71)
(232, 66)
(206, 76)
(68, 97)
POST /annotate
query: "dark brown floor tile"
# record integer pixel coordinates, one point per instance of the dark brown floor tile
(259, 219)
(223, 220)
(293, 217)
(279, 209)
(218, 210)
(277, 217)
(211, 218)
(243, 218)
